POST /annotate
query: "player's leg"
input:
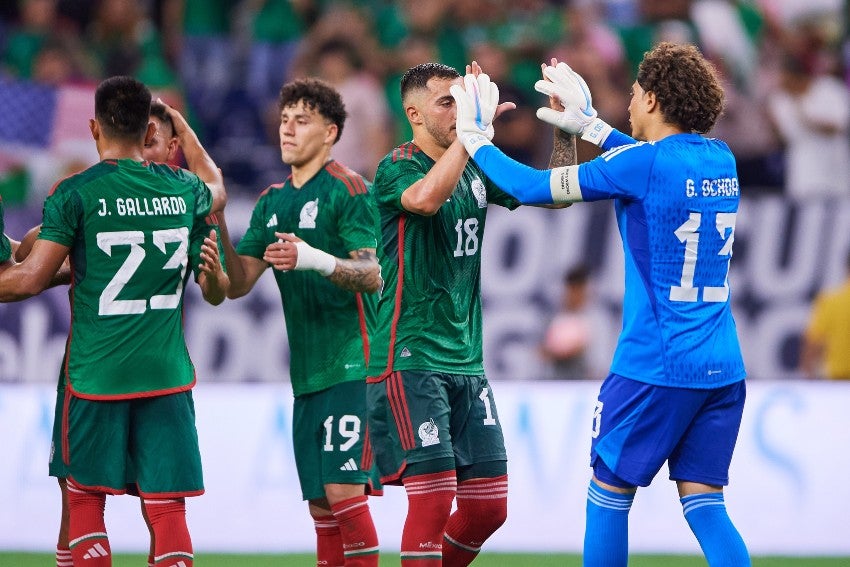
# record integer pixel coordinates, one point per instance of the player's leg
(409, 430)
(481, 462)
(328, 538)
(63, 552)
(96, 458)
(167, 461)
(350, 507)
(334, 464)
(636, 426)
(57, 468)
(700, 466)
(152, 546)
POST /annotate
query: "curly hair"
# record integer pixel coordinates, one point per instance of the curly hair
(685, 84)
(417, 77)
(316, 95)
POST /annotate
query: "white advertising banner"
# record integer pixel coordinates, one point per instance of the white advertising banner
(788, 494)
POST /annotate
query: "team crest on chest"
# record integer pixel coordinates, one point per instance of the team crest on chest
(309, 212)
(480, 193)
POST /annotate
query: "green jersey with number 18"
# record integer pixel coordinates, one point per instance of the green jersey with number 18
(5, 245)
(429, 313)
(133, 229)
(328, 327)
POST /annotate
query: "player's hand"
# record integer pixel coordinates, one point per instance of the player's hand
(210, 258)
(292, 253)
(476, 104)
(566, 86)
(282, 255)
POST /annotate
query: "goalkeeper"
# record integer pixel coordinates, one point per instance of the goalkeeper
(676, 389)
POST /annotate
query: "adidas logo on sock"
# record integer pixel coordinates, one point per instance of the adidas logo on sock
(349, 465)
(96, 550)
(272, 221)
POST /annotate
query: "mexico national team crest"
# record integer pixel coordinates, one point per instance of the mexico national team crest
(309, 212)
(429, 433)
(480, 193)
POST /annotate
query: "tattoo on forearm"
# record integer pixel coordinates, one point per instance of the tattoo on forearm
(359, 274)
(563, 149)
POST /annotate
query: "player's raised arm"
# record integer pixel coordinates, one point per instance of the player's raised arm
(198, 160)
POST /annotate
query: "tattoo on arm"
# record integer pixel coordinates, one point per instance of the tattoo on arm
(563, 149)
(361, 273)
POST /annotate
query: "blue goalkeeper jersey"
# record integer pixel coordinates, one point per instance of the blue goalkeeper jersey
(676, 202)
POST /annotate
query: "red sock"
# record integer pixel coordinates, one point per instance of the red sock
(482, 507)
(429, 502)
(359, 538)
(87, 530)
(63, 557)
(173, 546)
(328, 542)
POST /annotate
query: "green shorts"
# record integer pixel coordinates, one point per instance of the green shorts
(151, 439)
(56, 466)
(331, 440)
(420, 415)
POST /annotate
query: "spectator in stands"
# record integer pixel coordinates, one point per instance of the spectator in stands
(811, 111)
(826, 343)
(567, 337)
(365, 141)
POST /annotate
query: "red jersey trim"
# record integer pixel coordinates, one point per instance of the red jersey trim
(364, 332)
(405, 151)
(353, 181)
(401, 412)
(134, 395)
(402, 222)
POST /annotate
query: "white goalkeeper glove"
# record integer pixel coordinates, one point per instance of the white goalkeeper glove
(578, 116)
(476, 104)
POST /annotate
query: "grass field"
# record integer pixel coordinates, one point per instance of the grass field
(388, 560)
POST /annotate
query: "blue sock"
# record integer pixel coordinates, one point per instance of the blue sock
(606, 535)
(720, 541)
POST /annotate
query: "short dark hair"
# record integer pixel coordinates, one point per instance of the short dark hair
(122, 107)
(316, 95)
(577, 275)
(417, 77)
(159, 112)
(685, 84)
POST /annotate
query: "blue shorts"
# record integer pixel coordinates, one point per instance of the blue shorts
(638, 426)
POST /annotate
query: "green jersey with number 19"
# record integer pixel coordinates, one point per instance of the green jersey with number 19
(5, 245)
(429, 313)
(328, 327)
(133, 228)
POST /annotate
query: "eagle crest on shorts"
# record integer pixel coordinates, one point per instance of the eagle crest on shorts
(429, 433)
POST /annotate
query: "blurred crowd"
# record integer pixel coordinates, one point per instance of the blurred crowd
(787, 115)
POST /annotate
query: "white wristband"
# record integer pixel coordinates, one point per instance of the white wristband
(310, 258)
(596, 132)
(473, 141)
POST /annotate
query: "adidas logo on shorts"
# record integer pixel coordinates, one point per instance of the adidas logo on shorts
(349, 465)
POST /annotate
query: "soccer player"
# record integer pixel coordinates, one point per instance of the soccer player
(432, 414)
(318, 229)
(131, 228)
(676, 389)
(160, 148)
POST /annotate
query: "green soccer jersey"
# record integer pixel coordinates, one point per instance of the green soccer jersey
(429, 313)
(133, 229)
(5, 245)
(327, 325)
